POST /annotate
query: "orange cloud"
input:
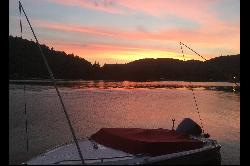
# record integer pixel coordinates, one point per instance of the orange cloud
(212, 37)
(212, 40)
(116, 53)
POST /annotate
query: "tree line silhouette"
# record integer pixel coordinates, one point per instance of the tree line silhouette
(25, 62)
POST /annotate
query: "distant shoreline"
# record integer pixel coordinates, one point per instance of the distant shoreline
(128, 84)
(82, 80)
(28, 64)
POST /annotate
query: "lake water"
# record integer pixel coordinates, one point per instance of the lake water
(95, 104)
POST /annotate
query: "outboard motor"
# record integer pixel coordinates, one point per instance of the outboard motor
(188, 126)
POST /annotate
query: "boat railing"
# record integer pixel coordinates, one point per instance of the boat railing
(98, 159)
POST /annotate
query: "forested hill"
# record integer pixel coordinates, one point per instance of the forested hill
(222, 68)
(25, 62)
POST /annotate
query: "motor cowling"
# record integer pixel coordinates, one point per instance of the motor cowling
(188, 126)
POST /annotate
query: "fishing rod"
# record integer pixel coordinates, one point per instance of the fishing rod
(191, 50)
(204, 59)
(55, 84)
(195, 101)
(194, 98)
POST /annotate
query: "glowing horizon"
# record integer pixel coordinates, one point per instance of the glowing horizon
(121, 31)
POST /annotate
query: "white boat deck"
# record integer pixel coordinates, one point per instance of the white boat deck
(69, 154)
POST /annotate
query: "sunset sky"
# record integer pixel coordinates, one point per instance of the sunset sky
(120, 31)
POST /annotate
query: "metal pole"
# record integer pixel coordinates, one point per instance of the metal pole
(26, 120)
(55, 85)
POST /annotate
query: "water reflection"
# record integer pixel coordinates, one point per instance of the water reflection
(100, 84)
(96, 104)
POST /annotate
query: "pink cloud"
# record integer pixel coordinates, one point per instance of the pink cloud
(196, 10)
(207, 39)
(104, 47)
(168, 7)
(212, 32)
(211, 27)
(216, 33)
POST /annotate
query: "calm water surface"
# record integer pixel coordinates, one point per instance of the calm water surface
(95, 104)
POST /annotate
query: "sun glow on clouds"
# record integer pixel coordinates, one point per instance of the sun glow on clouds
(118, 54)
(150, 29)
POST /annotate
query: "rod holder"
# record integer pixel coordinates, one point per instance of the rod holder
(173, 124)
